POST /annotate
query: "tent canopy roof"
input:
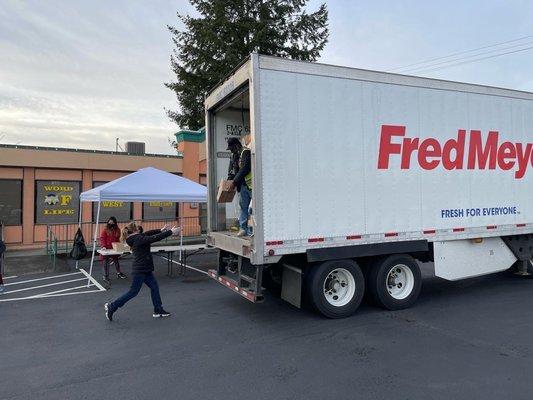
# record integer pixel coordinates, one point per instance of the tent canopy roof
(148, 184)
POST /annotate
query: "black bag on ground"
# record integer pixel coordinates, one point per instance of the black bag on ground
(79, 250)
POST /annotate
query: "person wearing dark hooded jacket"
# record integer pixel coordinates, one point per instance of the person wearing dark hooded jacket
(142, 267)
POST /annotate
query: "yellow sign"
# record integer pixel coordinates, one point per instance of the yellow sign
(160, 204)
(58, 202)
(112, 204)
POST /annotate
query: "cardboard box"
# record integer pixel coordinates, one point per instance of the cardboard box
(121, 247)
(225, 194)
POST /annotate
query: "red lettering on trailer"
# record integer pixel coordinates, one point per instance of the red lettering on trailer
(481, 153)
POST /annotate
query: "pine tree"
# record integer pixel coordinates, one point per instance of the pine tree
(225, 33)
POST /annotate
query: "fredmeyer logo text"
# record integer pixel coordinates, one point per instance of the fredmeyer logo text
(481, 152)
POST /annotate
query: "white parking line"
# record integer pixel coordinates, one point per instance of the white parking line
(62, 291)
(42, 286)
(40, 279)
(70, 294)
(185, 265)
(9, 277)
(91, 283)
(94, 281)
(52, 294)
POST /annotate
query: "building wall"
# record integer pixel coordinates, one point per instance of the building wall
(86, 167)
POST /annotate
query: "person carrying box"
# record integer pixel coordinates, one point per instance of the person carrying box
(243, 183)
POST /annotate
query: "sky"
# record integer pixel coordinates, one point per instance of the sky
(82, 73)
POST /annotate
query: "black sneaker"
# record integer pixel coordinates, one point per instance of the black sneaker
(121, 275)
(161, 314)
(108, 312)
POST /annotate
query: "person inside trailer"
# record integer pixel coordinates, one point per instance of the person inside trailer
(235, 147)
(243, 183)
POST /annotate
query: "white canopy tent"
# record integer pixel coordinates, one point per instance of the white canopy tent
(147, 184)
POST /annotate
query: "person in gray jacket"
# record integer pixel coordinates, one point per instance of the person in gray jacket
(142, 267)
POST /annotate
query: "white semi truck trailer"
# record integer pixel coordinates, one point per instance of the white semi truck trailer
(358, 174)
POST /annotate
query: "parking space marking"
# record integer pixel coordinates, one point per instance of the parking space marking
(185, 265)
(71, 294)
(56, 293)
(94, 281)
(9, 277)
(69, 291)
(40, 279)
(48, 285)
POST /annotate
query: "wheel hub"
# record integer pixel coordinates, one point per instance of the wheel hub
(400, 281)
(339, 287)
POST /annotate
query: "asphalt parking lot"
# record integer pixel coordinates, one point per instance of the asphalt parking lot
(462, 340)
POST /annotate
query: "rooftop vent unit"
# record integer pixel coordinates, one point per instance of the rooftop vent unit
(137, 148)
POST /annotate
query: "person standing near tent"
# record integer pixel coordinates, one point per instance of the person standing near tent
(110, 235)
(142, 267)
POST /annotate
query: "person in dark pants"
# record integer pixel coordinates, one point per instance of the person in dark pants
(243, 183)
(142, 268)
(110, 235)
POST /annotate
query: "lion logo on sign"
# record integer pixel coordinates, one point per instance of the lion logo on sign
(51, 199)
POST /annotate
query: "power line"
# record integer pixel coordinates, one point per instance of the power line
(475, 60)
(459, 59)
(461, 52)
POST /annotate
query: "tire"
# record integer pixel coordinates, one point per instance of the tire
(335, 288)
(394, 282)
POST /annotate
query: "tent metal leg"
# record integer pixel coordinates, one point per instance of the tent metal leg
(181, 230)
(79, 226)
(94, 242)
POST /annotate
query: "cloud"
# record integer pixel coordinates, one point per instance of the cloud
(79, 74)
(85, 75)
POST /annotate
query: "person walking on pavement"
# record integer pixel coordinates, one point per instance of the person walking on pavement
(110, 235)
(243, 183)
(142, 267)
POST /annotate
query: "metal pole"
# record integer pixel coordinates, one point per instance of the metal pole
(181, 230)
(94, 242)
(79, 226)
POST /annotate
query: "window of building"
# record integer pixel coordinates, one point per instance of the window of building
(11, 202)
(57, 202)
(121, 210)
(159, 210)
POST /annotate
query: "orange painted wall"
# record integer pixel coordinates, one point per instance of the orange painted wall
(30, 165)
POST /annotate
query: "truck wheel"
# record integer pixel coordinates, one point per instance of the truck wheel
(394, 282)
(336, 288)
